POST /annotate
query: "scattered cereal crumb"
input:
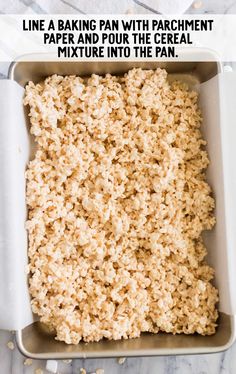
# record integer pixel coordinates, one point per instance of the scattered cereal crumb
(11, 345)
(28, 362)
(67, 361)
(100, 371)
(118, 200)
(82, 371)
(38, 371)
(129, 11)
(197, 4)
(121, 360)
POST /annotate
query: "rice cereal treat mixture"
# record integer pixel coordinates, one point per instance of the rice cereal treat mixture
(117, 202)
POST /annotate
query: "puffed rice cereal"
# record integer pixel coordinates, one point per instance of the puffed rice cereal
(28, 362)
(11, 345)
(118, 200)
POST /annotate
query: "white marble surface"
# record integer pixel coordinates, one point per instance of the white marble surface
(12, 362)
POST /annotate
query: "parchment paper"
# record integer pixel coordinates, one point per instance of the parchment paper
(15, 311)
(218, 105)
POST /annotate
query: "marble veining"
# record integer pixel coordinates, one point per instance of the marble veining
(12, 362)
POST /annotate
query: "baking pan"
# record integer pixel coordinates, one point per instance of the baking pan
(35, 340)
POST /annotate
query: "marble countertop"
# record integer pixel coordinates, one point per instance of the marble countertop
(12, 362)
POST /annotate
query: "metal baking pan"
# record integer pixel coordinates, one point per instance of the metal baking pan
(35, 341)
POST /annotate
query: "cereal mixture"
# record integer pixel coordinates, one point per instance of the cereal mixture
(117, 202)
